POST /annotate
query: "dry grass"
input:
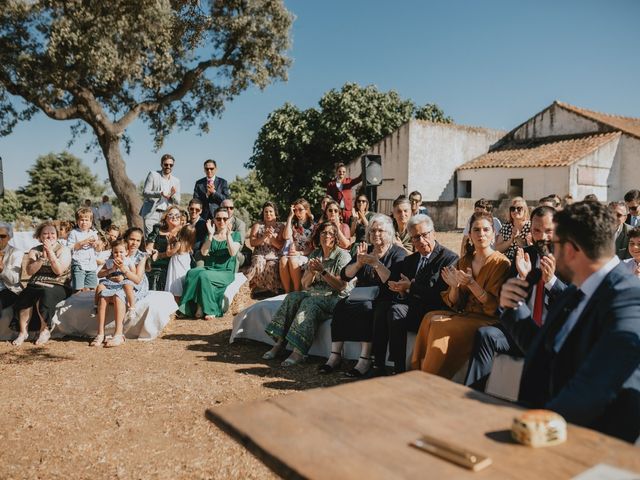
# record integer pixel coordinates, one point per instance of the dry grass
(70, 411)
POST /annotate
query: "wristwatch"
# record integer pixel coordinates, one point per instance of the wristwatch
(323, 273)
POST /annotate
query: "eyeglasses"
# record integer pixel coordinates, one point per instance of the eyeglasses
(327, 234)
(415, 200)
(228, 208)
(174, 216)
(421, 236)
(516, 209)
(562, 242)
(221, 219)
(333, 210)
(620, 215)
(362, 201)
(194, 209)
(633, 209)
(3, 235)
(169, 165)
(376, 230)
(209, 168)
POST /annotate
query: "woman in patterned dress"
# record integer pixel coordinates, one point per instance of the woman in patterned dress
(267, 242)
(297, 232)
(517, 231)
(158, 241)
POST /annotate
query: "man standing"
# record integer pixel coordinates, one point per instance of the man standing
(584, 362)
(161, 190)
(632, 199)
(418, 292)
(105, 213)
(200, 224)
(619, 211)
(236, 225)
(340, 190)
(211, 190)
(492, 340)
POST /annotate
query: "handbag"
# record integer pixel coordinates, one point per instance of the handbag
(364, 294)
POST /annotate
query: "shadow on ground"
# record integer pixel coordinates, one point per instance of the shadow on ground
(26, 355)
(248, 353)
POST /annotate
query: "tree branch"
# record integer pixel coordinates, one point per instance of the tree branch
(66, 113)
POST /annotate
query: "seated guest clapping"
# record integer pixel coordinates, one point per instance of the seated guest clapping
(49, 266)
(445, 338)
(401, 216)
(297, 232)
(10, 266)
(267, 242)
(633, 263)
(492, 340)
(333, 214)
(584, 363)
(205, 286)
(417, 291)
(354, 316)
(297, 319)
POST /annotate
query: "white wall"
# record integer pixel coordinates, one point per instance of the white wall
(596, 173)
(629, 152)
(437, 150)
(556, 121)
(538, 182)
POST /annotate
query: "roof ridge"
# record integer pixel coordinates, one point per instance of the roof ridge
(582, 109)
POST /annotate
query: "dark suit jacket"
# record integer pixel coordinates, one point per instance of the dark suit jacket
(426, 288)
(558, 287)
(210, 203)
(594, 380)
(622, 242)
(345, 194)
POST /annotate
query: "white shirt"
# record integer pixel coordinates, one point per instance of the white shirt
(105, 212)
(547, 286)
(86, 256)
(588, 287)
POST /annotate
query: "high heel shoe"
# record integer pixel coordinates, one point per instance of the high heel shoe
(326, 368)
(355, 373)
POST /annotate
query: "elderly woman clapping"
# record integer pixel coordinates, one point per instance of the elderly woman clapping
(354, 317)
(49, 266)
(10, 264)
(298, 318)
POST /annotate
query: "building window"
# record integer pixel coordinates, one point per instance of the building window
(516, 187)
(464, 189)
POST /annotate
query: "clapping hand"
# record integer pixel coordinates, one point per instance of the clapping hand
(523, 263)
(361, 253)
(172, 191)
(401, 285)
(465, 278)
(450, 277)
(315, 265)
(548, 267)
(211, 228)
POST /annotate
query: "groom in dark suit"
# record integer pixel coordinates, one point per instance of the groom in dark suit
(584, 362)
(493, 339)
(211, 190)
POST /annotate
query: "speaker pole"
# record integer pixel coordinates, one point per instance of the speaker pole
(1, 180)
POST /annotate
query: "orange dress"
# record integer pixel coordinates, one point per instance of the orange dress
(445, 338)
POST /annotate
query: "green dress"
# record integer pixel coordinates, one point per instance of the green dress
(205, 286)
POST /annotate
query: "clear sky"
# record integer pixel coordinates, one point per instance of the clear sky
(487, 63)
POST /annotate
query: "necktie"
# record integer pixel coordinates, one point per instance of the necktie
(573, 299)
(421, 264)
(538, 304)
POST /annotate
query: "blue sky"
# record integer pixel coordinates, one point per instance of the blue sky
(486, 63)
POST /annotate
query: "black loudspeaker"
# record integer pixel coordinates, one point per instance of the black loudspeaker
(372, 169)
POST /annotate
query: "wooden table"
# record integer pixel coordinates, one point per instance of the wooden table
(361, 430)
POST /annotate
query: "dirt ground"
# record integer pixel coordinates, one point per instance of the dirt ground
(70, 411)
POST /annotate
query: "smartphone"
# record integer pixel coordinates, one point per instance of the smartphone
(453, 453)
(533, 278)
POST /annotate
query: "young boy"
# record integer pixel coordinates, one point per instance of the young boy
(82, 240)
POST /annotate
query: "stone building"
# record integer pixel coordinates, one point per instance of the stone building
(563, 149)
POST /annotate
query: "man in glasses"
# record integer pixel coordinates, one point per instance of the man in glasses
(236, 225)
(492, 340)
(584, 363)
(211, 190)
(199, 223)
(416, 292)
(619, 211)
(632, 200)
(415, 198)
(161, 190)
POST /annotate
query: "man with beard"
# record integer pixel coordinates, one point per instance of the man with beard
(584, 362)
(492, 340)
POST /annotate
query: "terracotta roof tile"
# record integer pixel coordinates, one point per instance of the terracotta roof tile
(547, 152)
(628, 125)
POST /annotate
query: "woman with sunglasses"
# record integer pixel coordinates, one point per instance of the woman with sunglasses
(266, 240)
(204, 286)
(445, 338)
(333, 214)
(360, 219)
(297, 233)
(297, 319)
(161, 237)
(517, 231)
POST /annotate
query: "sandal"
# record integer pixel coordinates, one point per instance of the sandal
(273, 353)
(326, 368)
(115, 341)
(19, 340)
(355, 373)
(290, 362)
(98, 341)
(131, 315)
(44, 337)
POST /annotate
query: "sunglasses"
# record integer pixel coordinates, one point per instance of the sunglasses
(228, 208)
(327, 234)
(2, 235)
(633, 209)
(516, 209)
(169, 165)
(361, 201)
(221, 219)
(415, 200)
(194, 209)
(421, 236)
(209, 168)
(173, 216)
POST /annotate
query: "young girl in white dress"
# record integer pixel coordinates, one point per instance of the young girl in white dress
(180, 263)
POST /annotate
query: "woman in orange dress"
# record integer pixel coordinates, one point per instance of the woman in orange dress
(445, 338)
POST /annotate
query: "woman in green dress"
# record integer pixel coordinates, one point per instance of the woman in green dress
(205, 286)
(159, 241)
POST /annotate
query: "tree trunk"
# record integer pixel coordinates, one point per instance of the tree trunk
(123, 187)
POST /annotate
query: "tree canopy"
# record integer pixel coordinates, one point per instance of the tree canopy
(171, 63)
(54, 179)
(296, 150)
